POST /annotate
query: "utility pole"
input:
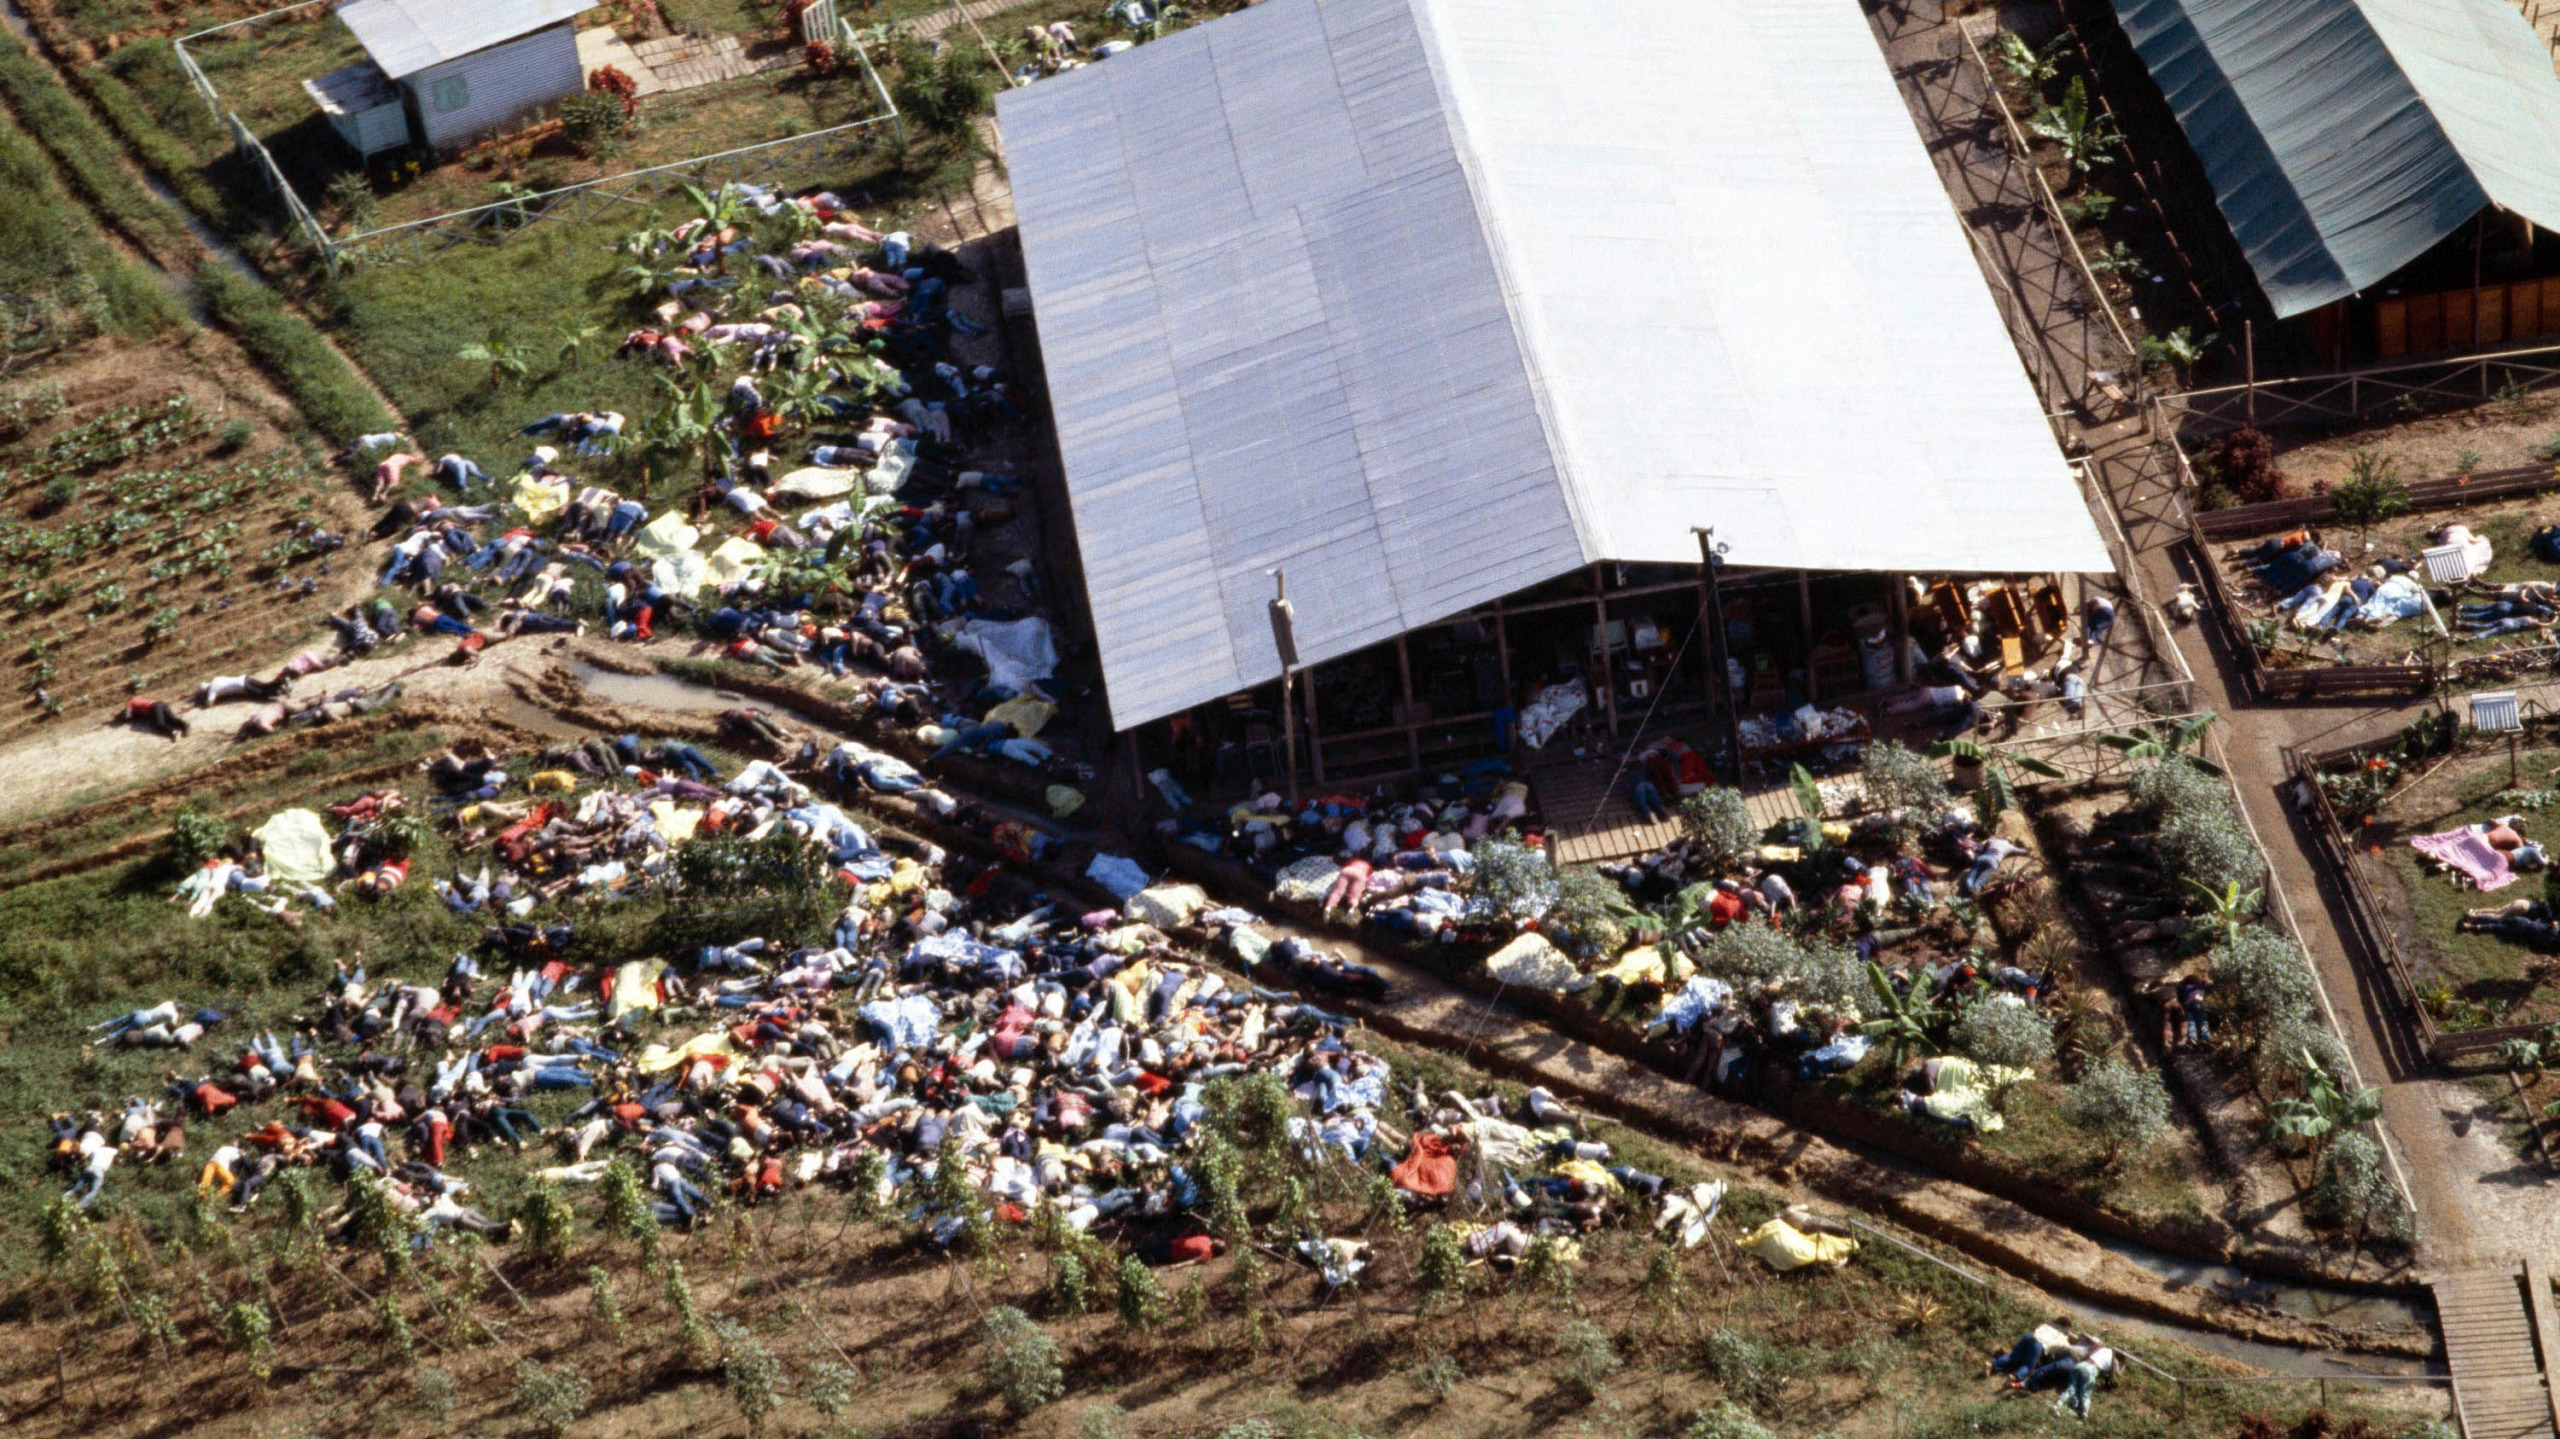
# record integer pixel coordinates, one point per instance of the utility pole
(1284, 638)
(1720, 681)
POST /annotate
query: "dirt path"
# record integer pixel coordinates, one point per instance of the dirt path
(2475, 1200)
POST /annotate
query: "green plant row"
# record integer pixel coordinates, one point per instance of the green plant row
(91, 158)
(163, 153)
(323, 385)
(45, 247)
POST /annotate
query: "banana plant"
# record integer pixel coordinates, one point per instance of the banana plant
(2026, 64)
(503, 356)
(2077, 127)
(2183, 740)
(1998, 792)
(2228, 910)
(2326, 1110)
(1808, 799)
(1905, 1025)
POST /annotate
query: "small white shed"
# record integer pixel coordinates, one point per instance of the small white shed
(363, 107)
(466, 68)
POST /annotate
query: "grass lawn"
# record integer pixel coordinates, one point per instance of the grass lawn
(2467, 981)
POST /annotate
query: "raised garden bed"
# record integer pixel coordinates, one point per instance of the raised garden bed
(2468, 992)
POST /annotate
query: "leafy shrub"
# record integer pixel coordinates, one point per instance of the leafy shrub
(2123, 1107)
(1996, 1032)
(1717, 822)
(234, 435)
(551, 1397)
(2166, 785)
(1753, 1371)
(195, 837)
(2211, 847)
(1142, 1305)
(1022, 1360)
(2265, 983)
(945, 92)
(1815, 972)
(1513, 879)
(614, 81)
(1726, 1420)
(751, 1376)
(436, 1393)
(351, 196)
(2244, 462)
(1588, 912)
(597, 123)
(323, 385)
(1905, 784)
(1586, 1357)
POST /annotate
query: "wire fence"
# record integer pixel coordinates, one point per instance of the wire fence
(788, 159)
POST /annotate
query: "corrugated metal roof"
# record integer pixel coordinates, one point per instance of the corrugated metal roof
(1428, 301)
(2345, 137)
(406, 36)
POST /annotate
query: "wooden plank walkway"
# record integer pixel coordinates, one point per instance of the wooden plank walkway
(2489, 1327)
(1591, 820)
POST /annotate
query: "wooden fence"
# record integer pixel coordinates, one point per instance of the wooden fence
(2304, 682)
(2451, 492)
(2451, 320)
(2342, 397)
(2336, 845)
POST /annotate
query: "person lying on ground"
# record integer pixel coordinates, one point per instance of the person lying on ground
(230, 687)
(386, 476)
(153, 715)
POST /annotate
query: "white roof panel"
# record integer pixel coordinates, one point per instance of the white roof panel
(1427, 301)
(406, 36)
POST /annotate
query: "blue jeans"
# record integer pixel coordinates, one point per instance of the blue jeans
(690, 760)
(1648, 799)
(461, 473)
(2021, 1360)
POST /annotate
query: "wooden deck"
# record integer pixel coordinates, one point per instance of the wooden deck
(2497, 1328)
(1591, 820)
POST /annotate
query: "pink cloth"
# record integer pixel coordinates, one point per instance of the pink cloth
(2469, 851)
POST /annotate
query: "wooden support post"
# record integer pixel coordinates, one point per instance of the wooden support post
(1412, 731)
(1502, 652)
(1804, 632)
(1608, 658)
(1901, 628)
(2249, 364)
(1315, 737)
(1710, 626)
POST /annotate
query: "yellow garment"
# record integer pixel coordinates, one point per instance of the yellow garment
(1783, 1247)
(1025, 714)
(666, 535)
(1646, 964)
(674, 825)
(1589, 1173)
(296, 846)
(635, 986)
(558, 781)
(734, 560)
(538, 500)
(906, 877)
(1064, 800)
(1781, 854)
(658, 1059)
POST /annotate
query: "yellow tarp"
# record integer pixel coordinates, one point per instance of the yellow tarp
(1026, 714)
(675, 825)
(538, 500)
(1645, 964)
(658, 1059)
(1782, 1246)
(635, 987)
(666, 535)
(734, 560)
(296, 844)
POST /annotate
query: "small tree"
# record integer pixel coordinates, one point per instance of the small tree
(2123, 1107)
(1590, 912)
(195, 837)
(2244, 462)
(1022, 1360)
(2371, 493)
(1905, 1025)
(549, 1225)
(1904, 784)
(253, 1334)
(551, 1397)
(501, 352)
(1993, 1030)
(1719, 826)
(1727, 1420)
(1442, 1269)
(1586, 1357)
(750, 1375)
(1142, 1303)
(603, 1304)
(2326, 1110)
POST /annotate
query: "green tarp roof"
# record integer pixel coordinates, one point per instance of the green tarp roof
(2345, 137)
